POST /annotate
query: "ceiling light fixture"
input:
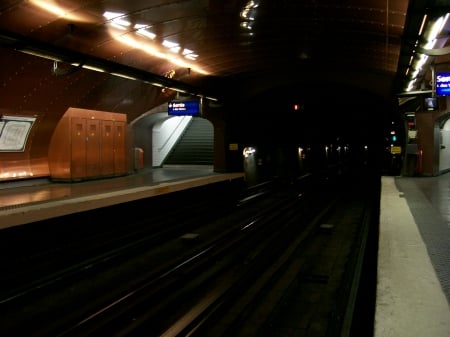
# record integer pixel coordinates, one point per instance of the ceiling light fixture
(142, 30)
(420, 61)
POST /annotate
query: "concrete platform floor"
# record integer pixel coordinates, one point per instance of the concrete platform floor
(412, 287)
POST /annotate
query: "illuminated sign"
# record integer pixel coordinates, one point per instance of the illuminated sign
(443, 84)
(184, 108)
(14, 132)
(431, 103)
(396, 149)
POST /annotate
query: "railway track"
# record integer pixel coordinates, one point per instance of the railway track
(214, 285)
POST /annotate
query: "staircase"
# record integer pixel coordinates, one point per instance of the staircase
(195, 146)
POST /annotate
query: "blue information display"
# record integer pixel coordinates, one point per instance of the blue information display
(184, 108)
(443, 84)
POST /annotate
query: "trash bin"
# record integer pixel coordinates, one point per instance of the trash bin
(138, 158)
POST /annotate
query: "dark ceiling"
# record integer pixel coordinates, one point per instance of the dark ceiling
(219, 49)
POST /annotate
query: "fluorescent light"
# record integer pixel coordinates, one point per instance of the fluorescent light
(212, 98)
(191, 56)
(146, 33)
(116, 20)
(435, 30)
(170, 44)
(138, 26)
(112, 15)
(40, 54)
(422, 26)
(142, 30)
(152, 50)
(93, 68)
(124, 76)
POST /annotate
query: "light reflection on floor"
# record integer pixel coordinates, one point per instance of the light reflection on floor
(40, 190)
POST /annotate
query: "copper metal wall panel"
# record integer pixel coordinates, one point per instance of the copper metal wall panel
(107, 148)
(78, 148)
(59, 150)
(120, 162)
(31, 160)
(88, 144)
(92, 145)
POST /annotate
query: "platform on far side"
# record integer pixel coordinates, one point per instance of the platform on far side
(35, 202)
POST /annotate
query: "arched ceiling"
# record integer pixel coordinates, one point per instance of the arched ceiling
(217, 49)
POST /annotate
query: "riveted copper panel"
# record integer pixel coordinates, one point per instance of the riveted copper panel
(120, 157)
(84, 145)
(107, 147)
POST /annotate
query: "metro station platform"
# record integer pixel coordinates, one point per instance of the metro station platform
(413, 286)
(34, 200)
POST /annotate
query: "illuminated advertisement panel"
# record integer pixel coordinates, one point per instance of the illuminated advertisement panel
(184, 108)
(14, 132)
(443, 84)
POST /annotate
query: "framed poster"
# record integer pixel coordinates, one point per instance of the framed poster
(14, 131)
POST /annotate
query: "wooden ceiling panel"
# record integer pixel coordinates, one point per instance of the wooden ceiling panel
(269, 40)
